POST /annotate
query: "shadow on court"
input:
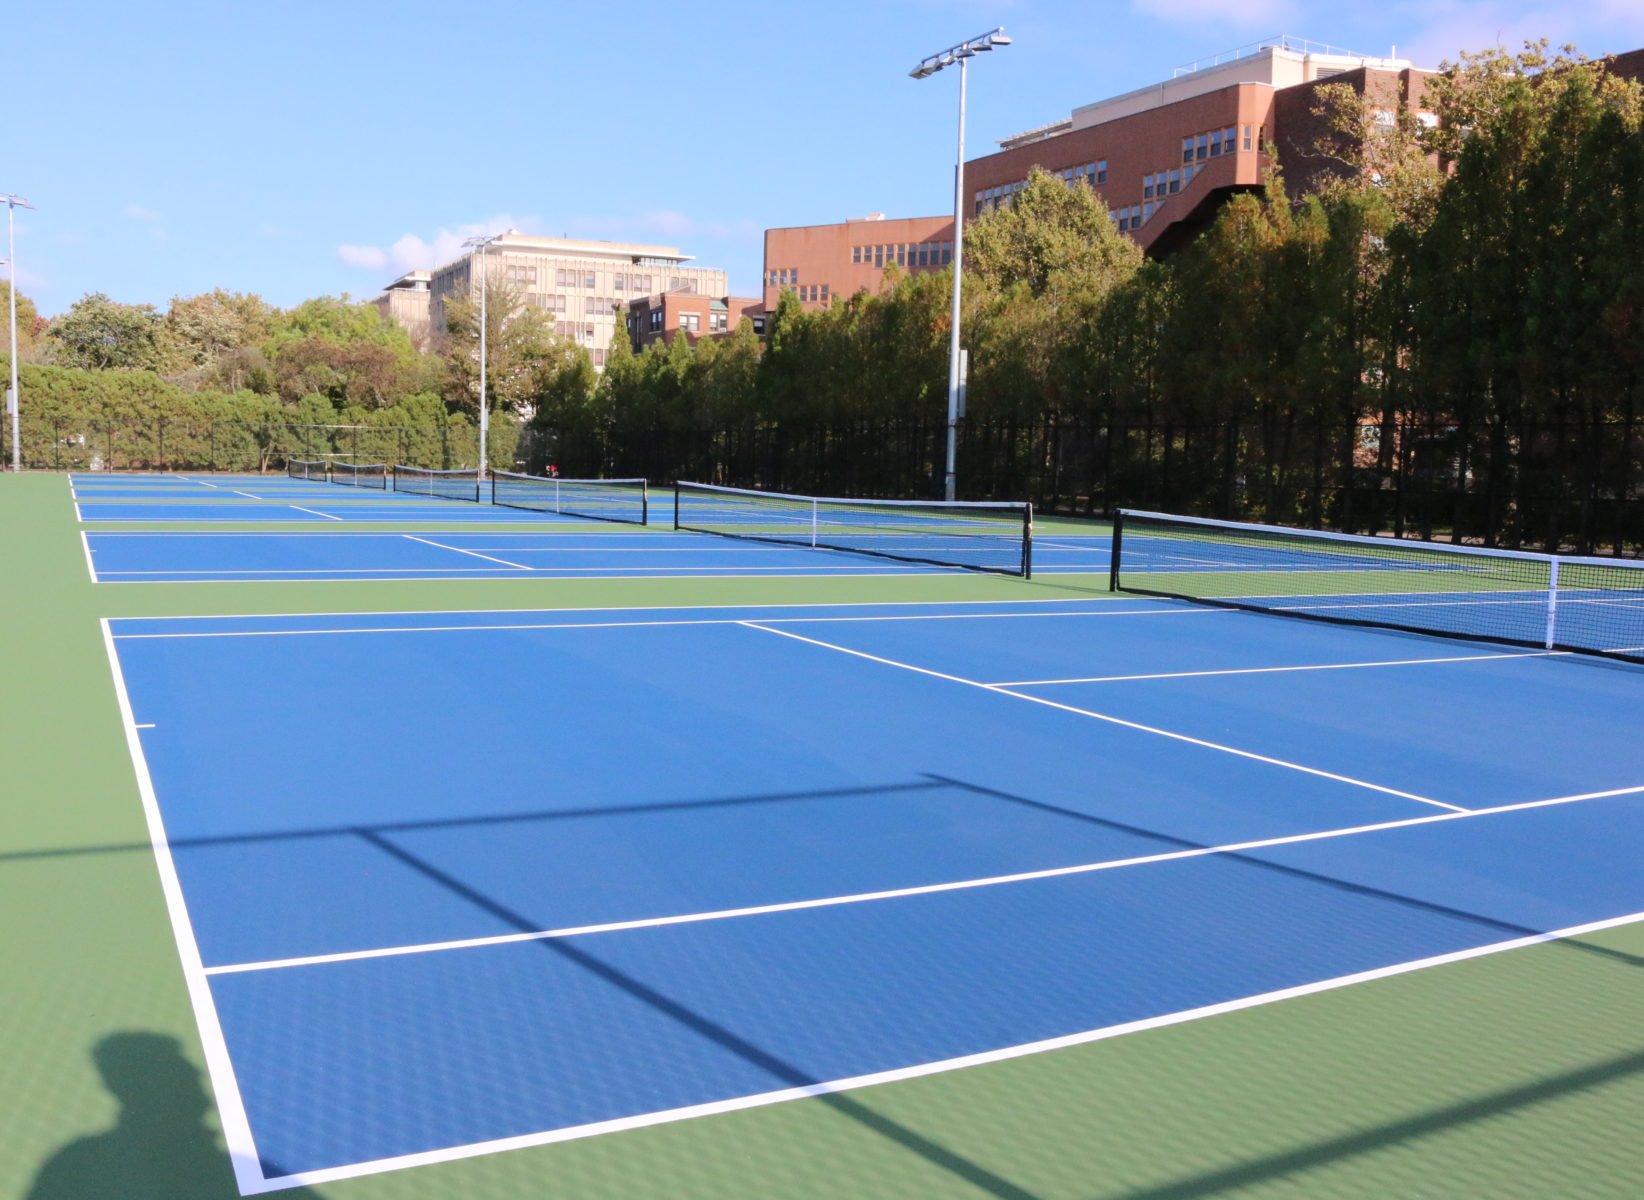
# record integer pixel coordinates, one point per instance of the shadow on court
(159, 1147)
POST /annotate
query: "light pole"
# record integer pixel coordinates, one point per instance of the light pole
(12, 204)
(927, 67)
(484, 404)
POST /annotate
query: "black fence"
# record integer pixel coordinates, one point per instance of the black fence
(1575, 487)
(1572, 486)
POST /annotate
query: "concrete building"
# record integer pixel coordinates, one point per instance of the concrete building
(406, 301)
(821, 263)
(658, 317)
(582, 284)
(1166, 157)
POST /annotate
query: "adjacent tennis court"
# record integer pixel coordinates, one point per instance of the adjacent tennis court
(886, 841)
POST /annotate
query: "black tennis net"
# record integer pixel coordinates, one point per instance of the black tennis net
(976, 535)
(368, 475)
(602, 499)
(447, 485)
(1589, 605)
(299, 468)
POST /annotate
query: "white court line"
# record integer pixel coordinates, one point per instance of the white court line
(317, 513)
(1021, 1050)
(247, 495)
(625, 624)
(202, 483)
(150, 725)
(459, 550)
(1112, 720)
(928, 889)
(85, 544)
(242, 1150)
(1402, 662)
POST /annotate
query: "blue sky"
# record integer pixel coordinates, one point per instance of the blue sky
(306, 148)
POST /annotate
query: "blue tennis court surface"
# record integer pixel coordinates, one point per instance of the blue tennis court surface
(447, 883)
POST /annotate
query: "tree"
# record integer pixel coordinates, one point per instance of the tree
(97, 333)
(201, 330)
(30, 325)
(529, 368)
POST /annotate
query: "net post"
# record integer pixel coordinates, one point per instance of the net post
(1552, 602)
(644, 502)
(1027, 542)
(493, 487)
(813, 522)
(1113, 557)
(676, 504)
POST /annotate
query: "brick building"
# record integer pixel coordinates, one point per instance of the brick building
(658, 317)
(1166, 157)
(821, 262)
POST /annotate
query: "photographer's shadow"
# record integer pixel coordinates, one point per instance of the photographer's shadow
(160, 1147)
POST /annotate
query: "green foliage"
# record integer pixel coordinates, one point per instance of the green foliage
(97, 333)
(31, 327)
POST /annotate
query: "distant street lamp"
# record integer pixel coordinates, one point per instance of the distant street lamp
(926, 68)
(484, 406)
(12, 204)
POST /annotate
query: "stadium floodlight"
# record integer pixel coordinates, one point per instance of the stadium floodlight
(13, 203)
(484, 406)
(927, 67)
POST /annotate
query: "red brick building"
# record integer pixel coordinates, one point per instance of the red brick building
(1166, 157)
(658, 317)
(820, 263)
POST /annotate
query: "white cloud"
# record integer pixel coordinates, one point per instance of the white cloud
(366, 257)
(137, 212)
(268, 230)
(1441, 29)
(415, 253)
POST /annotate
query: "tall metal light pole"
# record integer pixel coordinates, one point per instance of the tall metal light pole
(12, 204)
(484, 404)
(928, 67)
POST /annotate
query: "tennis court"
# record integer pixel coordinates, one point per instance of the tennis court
(757, 877)
(819, 875)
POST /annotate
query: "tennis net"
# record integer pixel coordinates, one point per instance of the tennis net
(977, 535)
(447, 485)
(601, 499)
(299, 468)
(370, 475)
(1588, 605)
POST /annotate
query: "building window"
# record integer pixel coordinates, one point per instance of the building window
(1187, 149)
(518, 274)
(596, 304)
(599, 358)
(1247, 137)
(718, 322)
(690, 322)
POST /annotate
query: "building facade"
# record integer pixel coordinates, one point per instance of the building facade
(584, 286)
(822, 263)
(1166, 157)
(406, 301)
(661, 316)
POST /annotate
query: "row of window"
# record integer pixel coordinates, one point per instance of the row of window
(906, 254)
(812, 291)
(1167, 183)
(1091, 173)
(1217, 142)
(784, 276)
(591, 305)
(718, 322)
(1133, 217)
(632, 283)
(577, 333)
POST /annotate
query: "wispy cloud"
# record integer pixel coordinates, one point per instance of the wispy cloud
(1441, 29)
(413, 252)
(137, 212)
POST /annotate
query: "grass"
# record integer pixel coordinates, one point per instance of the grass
(1514, 1075)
